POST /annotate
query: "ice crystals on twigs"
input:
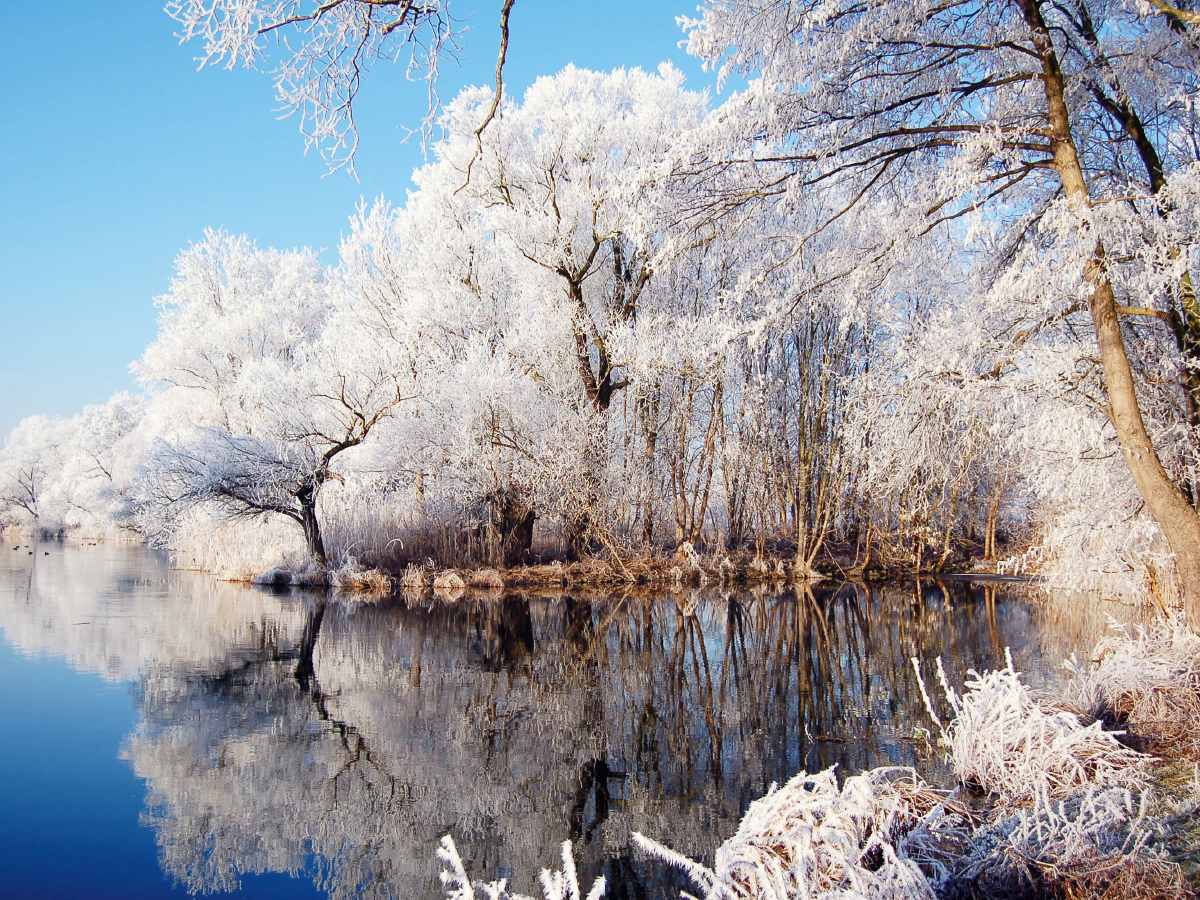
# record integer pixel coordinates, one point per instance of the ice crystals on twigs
(562, 885)
(810, 839)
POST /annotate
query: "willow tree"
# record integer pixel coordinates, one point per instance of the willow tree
(1019, 123)
(270, 368)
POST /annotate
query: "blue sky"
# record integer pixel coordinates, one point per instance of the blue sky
(118, 153)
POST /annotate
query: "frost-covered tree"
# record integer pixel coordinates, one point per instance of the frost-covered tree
(1051, 134)
(271, 369)
(74, 474)
(108, 444)
(526, 283)
(560, 181)
(28, 463)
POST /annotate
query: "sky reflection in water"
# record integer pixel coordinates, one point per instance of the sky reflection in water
(263, 736)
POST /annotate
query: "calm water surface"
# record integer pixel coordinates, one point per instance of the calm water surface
(167, 734)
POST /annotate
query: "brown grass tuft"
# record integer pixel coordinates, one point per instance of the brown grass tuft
(414, 579)
(485, 578)
(371, 583)
(448, 581)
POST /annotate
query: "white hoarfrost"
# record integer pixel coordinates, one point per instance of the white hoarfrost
(1067, 805)
(811, 839)
(845, 313)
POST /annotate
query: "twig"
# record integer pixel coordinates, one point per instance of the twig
(494, 111)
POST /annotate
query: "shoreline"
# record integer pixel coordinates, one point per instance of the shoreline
(655, 572)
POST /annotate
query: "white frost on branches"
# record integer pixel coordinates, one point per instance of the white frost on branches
(321, 52)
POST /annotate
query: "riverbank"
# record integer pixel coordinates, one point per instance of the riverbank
(1093, 792)
(1089, 792)
(686, 567)
(270, 556)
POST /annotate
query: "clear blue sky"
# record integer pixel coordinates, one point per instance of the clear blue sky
(117, 153)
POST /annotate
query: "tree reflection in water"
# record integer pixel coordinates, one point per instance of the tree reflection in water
(290, 734)
(515, 723)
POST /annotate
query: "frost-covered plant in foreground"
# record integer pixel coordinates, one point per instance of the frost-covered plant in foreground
(1066, 814)
(1009, 745)
(811, 838)
(1147, 682)
(561, 885)
(1096, 844)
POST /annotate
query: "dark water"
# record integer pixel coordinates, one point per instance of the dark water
(166, 733)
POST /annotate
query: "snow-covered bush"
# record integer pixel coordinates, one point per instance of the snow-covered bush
(1006, 743)
(1066, 814)
(811, 839)
(1147, 682)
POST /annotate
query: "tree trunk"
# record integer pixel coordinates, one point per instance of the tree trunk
(579, 544)
(800, 513)
(511, 525)
(863, 544)
(1184, 320)
(647, 409)
(307, 496)
(993, 516)
(948, 533)
(518, 543)
(1163, 498)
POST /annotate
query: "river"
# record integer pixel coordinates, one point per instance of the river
(167, 733)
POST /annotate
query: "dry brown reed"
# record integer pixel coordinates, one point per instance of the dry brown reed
(449, 587)
(361, 582)
(362, 525)
(414, 579)
(448, 581)
(485, 578)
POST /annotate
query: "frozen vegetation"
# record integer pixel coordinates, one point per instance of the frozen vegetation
(921, 294)
(1046, 806)
(956, 323)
